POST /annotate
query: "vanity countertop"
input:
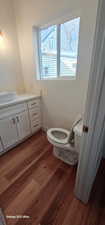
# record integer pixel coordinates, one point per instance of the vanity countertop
(19, 99)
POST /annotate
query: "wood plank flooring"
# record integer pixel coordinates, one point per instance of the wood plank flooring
(36, 185)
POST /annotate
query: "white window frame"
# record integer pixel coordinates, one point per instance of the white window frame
(58, 24)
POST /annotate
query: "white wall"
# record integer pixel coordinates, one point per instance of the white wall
(10, 66)
(62, 99)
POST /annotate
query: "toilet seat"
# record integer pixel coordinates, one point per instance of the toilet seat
(58, 135)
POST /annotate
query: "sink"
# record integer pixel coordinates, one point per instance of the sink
(6, 97)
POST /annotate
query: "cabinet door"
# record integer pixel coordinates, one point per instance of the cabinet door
(1, 145)
(8, 132)
(23, 125)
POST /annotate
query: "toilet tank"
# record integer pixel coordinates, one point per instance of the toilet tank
(78, 133)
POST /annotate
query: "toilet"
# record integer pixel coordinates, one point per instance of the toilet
(64, 149)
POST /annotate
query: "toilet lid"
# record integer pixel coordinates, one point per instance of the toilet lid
(58, 135)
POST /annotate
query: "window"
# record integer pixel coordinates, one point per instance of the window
(58, 50)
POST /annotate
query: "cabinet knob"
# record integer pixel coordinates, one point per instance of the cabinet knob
(34, 103)
(34, 114)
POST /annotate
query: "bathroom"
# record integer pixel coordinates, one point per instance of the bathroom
(62, 98)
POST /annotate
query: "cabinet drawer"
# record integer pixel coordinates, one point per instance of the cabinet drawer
(35, 127)
(35, 118)
(35, 121)
(34, 103)
(34, 112)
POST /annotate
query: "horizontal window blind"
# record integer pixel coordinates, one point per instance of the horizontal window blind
(48, 52)
(58, 50)
(69, 47)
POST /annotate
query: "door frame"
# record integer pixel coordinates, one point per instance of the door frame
(94, 117)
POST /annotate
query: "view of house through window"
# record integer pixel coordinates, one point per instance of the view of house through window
(58, 50)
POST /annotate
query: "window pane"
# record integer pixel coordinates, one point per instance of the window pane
(69, 47)
(48, 52)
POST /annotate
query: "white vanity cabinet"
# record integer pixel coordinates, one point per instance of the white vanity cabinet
(17, 122)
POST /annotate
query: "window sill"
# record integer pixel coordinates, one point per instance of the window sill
(58, 78)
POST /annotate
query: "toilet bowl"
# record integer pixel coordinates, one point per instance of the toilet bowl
(60, 139)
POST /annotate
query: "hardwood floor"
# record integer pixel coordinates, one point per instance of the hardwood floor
(35, 184)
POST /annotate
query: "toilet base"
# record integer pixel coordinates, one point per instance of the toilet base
(67, 156)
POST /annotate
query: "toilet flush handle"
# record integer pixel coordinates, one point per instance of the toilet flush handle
(85, 129)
